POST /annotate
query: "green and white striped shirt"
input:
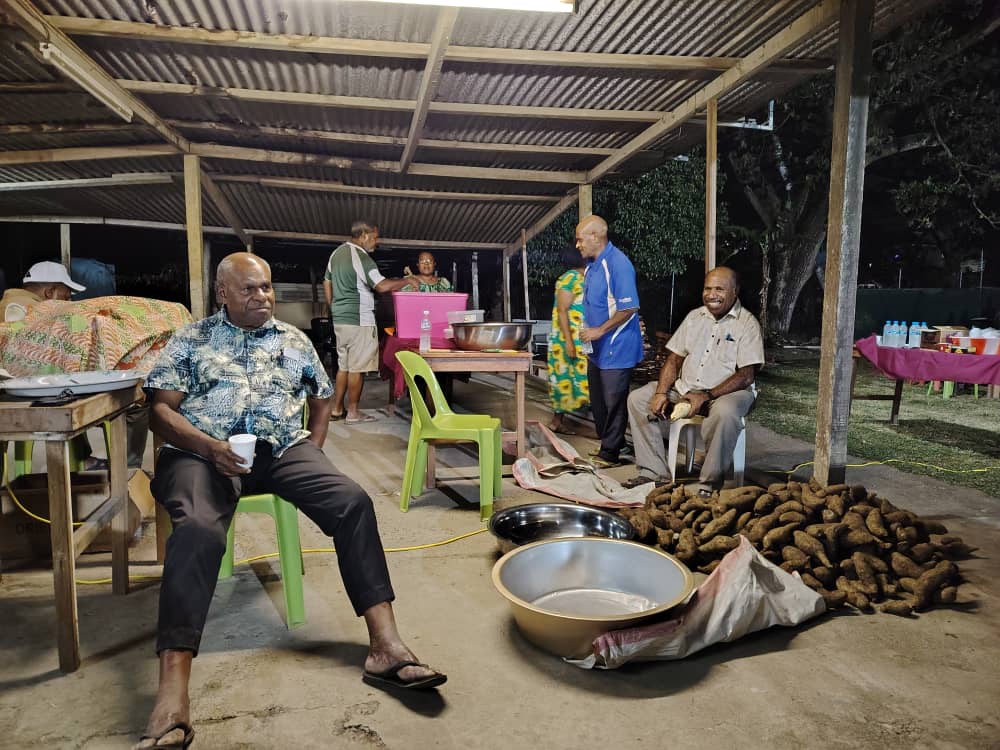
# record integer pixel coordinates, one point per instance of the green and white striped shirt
(353, 275)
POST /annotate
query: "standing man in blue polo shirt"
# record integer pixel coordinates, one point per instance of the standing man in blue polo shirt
(611, 335)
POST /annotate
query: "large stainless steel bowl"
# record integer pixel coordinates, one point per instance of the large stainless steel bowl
(475, 337)
(565, 592)
(523, 524)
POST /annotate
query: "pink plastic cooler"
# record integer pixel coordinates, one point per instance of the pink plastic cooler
(410, 306)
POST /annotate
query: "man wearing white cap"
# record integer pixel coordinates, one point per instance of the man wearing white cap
(44, 281)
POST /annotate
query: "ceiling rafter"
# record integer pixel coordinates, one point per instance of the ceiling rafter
(39, 28)
(809, 22)
(392, 105)
(244, 153)
(411, 50)
(295, 183)
(429, 82)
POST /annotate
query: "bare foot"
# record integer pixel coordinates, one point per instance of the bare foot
(380, 660)
(172, 703)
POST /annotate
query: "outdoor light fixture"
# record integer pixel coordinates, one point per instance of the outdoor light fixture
(72, 69)
(544, 6)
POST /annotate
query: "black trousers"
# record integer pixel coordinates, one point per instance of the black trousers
(201, 503)
(609, 403)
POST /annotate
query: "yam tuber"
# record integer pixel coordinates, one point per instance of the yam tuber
(795, 557)
(898, 607)
(930, 582)
(811, 546)
(720, 525)
(875, 523)
(779, 537)
(904, 567)
(719, 545)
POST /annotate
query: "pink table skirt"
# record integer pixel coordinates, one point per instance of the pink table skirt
(927, 364)
(389, 367)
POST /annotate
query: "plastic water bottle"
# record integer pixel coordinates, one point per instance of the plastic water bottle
(901, 338)
(425, 332)
(887, 333)
(913, 337)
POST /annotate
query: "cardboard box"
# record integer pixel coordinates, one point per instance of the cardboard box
(22, 537)
(929, 339)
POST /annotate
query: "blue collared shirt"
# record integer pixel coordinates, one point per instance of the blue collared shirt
(608, 286)
(238, 381)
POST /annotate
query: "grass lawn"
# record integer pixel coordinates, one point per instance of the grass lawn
(959, 434)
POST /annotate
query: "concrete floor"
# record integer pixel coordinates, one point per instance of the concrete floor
(843, 680)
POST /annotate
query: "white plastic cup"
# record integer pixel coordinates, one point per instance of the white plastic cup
(244, 445)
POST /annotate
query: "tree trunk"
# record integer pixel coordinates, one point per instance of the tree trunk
(793, 263)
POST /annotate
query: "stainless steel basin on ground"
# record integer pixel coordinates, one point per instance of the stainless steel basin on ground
(565, 592)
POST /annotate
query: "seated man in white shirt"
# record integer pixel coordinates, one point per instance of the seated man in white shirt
(713, 357)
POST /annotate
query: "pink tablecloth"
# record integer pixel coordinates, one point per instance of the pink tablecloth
(389, 367)
(927, 364)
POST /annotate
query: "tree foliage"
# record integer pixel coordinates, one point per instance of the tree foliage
(932, 166)
(657, 218)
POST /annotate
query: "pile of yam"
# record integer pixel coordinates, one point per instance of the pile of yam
(846, 543)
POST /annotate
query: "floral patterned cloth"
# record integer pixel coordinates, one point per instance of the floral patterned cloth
(238, 381)
(569, 389)
(103, 333)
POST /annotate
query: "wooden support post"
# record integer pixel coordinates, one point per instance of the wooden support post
(63, 557)
(585, 197)
(475, 281)
(524, 273)
(195, 240)
(843, 237)
(64, 246)
(711, 181)
(206, 274)
(505, 273)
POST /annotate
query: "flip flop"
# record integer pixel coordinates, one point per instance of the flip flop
(391, 678)
(337, 417)
(603, 463)
(183, 726)
(363, 418)
(563, 431)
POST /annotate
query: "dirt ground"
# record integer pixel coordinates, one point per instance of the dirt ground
(843, 680)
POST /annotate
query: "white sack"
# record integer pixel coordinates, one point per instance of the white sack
(746, 593)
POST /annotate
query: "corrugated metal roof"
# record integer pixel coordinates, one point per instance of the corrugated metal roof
(726, 28)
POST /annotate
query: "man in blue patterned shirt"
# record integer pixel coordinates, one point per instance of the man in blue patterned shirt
(235, 372)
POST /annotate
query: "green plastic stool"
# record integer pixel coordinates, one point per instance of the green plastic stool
(286, 522)
(24, 448)
(948, 389)
(481, 429)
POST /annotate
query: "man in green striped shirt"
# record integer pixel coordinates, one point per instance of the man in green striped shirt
(350, 283)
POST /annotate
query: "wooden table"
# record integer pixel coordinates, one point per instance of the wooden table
(19, 420)
(454, 360)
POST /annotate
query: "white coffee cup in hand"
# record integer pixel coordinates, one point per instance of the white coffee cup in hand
(244, 446)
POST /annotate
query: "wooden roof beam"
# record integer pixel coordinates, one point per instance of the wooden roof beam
(84, 153)
(808, 23)
(241, 153)
(407, 50)
(267, 233)
(215, 151)
(564, 204)
(294, 183)
(429, 82)
(116, 180)
(245, 131)
(390, 105)
(107, 90)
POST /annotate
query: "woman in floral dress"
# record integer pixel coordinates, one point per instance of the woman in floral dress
(568, 387)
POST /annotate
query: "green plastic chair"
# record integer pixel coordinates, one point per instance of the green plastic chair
(23, 450)
(447, 426)
(286, 523)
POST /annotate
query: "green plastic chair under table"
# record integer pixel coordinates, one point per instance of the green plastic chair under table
(286, 524)
(23, 450)
(448, 426)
